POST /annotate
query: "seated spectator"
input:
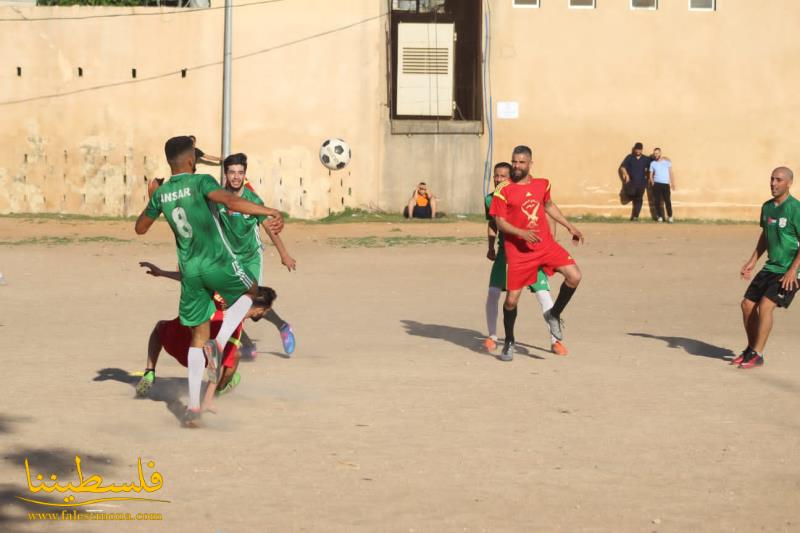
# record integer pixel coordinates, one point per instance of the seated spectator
(422, 203)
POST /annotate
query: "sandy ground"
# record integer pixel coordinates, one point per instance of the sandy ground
(390, 417)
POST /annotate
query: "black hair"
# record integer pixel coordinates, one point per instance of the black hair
(235, 159)
(522, 149)
(656, 148)
(177, 146)
(264, 297)
(638, 146)
(503, 164)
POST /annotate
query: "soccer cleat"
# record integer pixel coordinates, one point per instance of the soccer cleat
(191, 418)
(287, 337)
(508, 351)
(558, 348)
(213, 357)
(248, 352)
(145, 384)
(490, 344)
(236, 378)
(752, 361)
(554, 324)
(741, 357)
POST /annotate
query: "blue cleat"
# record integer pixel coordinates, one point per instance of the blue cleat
(287, 337)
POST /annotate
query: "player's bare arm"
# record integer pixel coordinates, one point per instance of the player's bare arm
(491, 237)
(761, 246)
(143, 223)
(157, 272)
(530, 235)
(286, 259)
(624, 174)
(789, 280)
(552, 209)
(239, 204)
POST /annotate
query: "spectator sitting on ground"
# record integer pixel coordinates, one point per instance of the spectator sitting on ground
(422, 203)
(202, 157)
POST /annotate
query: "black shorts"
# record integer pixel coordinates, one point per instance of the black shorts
(768, 284)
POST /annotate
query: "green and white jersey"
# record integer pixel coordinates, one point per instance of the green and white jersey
(781, 224)
(241, 230)
(500, 239)
(198, 235)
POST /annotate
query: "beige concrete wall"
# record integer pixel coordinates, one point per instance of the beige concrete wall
(717, 91)
(86, 145)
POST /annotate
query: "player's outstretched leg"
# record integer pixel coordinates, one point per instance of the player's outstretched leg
(509, 319)
(287, 334)
(546, 303)
(572, 278)
(492, 301)
(153, 350)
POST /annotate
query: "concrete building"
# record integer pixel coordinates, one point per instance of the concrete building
(88, 95)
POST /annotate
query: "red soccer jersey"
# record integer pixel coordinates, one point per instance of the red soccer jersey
(176, 339)
(522, 206)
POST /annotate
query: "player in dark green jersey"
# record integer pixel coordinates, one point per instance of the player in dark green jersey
(206, 261)
(777, 283)
(497, 278)
(242, 232)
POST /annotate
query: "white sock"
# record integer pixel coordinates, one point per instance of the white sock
(546, 303)
(492, 301)
(233, 317)
(197, 364)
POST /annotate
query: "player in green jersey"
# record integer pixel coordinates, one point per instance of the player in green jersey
(497, 279)
(206, 261)
(242, 232)
(777, 283)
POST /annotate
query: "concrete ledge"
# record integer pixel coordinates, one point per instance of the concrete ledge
(433, 127)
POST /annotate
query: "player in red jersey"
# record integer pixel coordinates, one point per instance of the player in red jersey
(520, 207)
(175, 339)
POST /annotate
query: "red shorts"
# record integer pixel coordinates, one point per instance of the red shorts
(523, 268)
(176, 339)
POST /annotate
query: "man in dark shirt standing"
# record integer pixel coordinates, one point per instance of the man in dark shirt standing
(634, 169)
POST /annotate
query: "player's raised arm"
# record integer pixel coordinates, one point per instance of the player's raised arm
(240, 205)
(157, 272)
(286, 259)
(552, 209)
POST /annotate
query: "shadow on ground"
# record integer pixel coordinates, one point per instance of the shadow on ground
(60, 462)
(691, 346)
(167, 390)
(466, 338)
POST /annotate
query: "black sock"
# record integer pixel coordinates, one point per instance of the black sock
(273, 317)
(509, 317)
(245, 340)
(564, 295)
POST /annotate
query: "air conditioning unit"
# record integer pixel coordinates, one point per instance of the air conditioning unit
(425, 69)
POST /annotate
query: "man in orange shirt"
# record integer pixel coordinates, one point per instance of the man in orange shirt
(422, 203)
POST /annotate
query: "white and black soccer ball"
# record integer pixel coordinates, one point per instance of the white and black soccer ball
(334, 153)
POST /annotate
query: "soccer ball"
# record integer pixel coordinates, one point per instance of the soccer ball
(334, 153)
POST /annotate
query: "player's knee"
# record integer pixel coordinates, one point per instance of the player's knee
(747, 305)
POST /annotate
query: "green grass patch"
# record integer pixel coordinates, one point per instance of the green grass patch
(372, 241)
(61, 241)
(66, 217)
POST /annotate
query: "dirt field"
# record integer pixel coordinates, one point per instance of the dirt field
(390, 417)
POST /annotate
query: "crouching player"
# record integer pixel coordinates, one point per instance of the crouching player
(175, 339)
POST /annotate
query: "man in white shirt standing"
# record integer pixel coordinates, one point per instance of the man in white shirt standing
(663, 182)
